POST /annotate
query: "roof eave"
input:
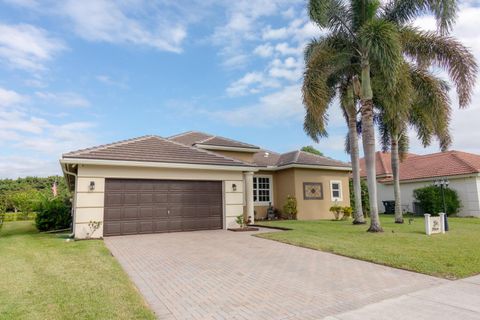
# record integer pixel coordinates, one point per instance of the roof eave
(171, 165)
(305, 166)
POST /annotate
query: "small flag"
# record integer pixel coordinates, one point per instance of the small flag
(54, 189)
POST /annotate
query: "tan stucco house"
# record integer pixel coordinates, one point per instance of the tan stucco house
(194, 181)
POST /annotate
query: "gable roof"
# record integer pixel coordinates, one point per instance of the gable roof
(299, 157)
(154, 149)
(192, 138)
(435, 165)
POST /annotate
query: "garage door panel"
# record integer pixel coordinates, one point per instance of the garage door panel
(129, 227)
(130, 213)
(112, 214)
(148, 206)
(130, 199)
(112, 228)
(113, 199)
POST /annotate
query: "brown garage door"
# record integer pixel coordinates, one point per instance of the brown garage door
(135, 206)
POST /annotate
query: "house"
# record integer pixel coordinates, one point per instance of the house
(462, 170)
(194, 181)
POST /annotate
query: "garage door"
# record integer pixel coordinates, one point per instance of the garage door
(150, 206)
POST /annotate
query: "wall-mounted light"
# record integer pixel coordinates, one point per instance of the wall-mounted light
(234, 187)
(92, 185)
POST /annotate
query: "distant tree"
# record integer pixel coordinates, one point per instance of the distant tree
(311, 149)
(24, 201)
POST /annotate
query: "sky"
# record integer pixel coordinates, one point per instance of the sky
(75, 74)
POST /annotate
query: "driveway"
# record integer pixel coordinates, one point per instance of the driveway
(230, 275)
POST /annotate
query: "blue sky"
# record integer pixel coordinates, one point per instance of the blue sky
(80, 73)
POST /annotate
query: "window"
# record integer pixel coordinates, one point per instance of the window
(336, 188)
(262, 189)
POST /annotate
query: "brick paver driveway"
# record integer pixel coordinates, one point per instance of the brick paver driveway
(227, 275)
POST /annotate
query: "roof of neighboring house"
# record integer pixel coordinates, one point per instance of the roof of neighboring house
(435, 165)
(154, 149)
(195, 137)
(383, 164)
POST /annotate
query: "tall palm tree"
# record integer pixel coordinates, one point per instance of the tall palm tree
(420, 101)
(370, 36)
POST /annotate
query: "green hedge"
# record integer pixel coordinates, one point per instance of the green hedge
(430, 199)
(53, 214)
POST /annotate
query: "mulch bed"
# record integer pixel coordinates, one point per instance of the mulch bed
(243, 229)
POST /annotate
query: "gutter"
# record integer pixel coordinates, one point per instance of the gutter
(305, 166)
(126, 163)
(74, 202)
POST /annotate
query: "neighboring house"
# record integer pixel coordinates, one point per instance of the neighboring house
(462, 170)
(194, 181)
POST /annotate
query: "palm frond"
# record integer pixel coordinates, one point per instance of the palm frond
(382, 42)
(404, 11)
(330, 14)
(363, 11)
(446, 53)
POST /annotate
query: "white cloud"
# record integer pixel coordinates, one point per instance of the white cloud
(24, 132)
(105, 79)
(10, 97)
(282, 105)
(251, 82)
(115, 22)
(264, 50)
(26, 47)
(68, 99)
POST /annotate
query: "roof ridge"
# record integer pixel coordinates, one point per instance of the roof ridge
(205, 151)
(180, 134)
(103, 146)
(297, 156)
(204, 140)
(382, 162)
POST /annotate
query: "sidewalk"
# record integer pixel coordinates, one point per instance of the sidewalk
(454, 300)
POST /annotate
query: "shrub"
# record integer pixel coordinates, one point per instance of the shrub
(53, 214)
(430, 199)
(365, 199)
(347, 212)
(290, 208)
(240, 221)
(337, 211)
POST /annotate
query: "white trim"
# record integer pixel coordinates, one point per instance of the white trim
(264, 203)
(213, 147)
(459, 176)
(125, 163)
(340, 198)
(305, 166)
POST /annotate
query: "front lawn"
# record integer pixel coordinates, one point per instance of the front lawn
(453, 255)
(44, 277)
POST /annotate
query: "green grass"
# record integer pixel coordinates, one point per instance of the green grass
(44, 277)
(453, 255)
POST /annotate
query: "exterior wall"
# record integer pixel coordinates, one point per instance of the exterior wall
(319, 209)
(242, 156)
(468, 189)
(284, 186)
(89, 204)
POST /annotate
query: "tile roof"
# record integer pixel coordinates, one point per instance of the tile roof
(442, 164)
(194, 137)
(154, 149)
(266, 158)
(294, 158)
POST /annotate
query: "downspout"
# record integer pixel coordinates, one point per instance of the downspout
(74, 202)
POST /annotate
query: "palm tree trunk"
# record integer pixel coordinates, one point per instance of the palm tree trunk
(368, 139)
(395, 159)
(354, 155)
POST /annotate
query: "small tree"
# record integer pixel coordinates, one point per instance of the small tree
(240, 221)
(53, 214)
(431, 201)
(311, 149)
(337, 211)
(290, 208)
(24, 201)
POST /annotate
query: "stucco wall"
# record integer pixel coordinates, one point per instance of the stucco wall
(242, 156)
(468, 189)
(319, 209)
(89, 204)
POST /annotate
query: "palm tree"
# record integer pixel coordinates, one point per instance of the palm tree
(371, 37)
(420, 100)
